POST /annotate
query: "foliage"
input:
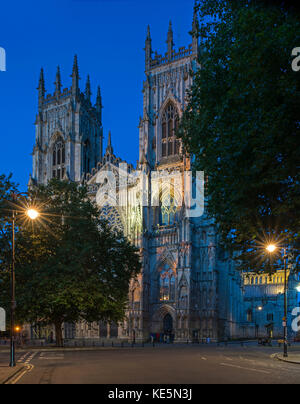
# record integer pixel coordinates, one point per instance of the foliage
(242, 123)
(69, 265)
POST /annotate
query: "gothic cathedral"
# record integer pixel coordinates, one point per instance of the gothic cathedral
(188, 288)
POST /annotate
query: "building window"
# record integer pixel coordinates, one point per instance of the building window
(59, 159)
(167, 284)
(169, 207)
(270, 317)
(249, 316)
(170, 124)
(86, 157)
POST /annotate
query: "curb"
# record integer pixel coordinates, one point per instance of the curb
(276, 356)
(13, 375)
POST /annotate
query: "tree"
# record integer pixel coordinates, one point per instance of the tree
(7, 190)
(70, 265)
(242, 122)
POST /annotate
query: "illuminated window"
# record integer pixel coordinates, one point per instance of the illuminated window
(170, 124)
(113, 217)
(169, 208)
(167, 284)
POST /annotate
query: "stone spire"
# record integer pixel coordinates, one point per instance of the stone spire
(88, 92)
(148, 49)
(75, 77)
(170, 41)
(195, 31)
(99, 104)
(58, 83)
(41, 88)
(109, 149)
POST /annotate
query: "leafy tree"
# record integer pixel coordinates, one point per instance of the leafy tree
(242, 123)
(70, 265)
(7, 191)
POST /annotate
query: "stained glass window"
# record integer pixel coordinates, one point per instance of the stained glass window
(167, 284)
(113, 217)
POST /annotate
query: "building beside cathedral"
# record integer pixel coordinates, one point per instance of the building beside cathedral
(188, 287)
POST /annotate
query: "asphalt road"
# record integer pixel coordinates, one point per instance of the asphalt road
(159, 365)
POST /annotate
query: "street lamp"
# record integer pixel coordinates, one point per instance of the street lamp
(33, 214)
(271, 249)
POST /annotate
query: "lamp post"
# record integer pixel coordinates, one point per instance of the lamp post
(271, 249)
(32, 214)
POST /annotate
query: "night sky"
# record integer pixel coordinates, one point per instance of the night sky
(108, 36)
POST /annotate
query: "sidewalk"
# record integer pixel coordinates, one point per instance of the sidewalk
(292, 358)
(6, 373)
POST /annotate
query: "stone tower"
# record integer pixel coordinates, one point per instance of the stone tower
(69, 133)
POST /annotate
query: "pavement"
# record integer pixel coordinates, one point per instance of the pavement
(292, 358)
(8, 374)
(164, 364)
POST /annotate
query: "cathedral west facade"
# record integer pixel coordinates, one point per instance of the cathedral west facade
(188, 287)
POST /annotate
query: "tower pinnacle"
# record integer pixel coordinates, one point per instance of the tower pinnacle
(88, 92)
(75, 77)
(195, 31)
(99, 104)
(148, 49)
(170, 41)
(58, 83)
(41, 87)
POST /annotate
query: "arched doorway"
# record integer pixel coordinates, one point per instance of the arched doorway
(168, 324)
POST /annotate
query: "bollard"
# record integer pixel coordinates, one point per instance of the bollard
(122, 345)
(112, 344)
(103, 344)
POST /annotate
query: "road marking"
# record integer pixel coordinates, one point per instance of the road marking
(53, 356)
(204, 359)
(243, 368)
(15, 380)
(28, 360)
(23, 357)
(228, 359)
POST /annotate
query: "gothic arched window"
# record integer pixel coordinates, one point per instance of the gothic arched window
(86, 157)
(169, 207)
(170, 124)
(58, 159)
(167, 284)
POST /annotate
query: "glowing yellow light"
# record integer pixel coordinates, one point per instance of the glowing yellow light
(32, 214)
(17, 329)
(260, 308)
(271, 248)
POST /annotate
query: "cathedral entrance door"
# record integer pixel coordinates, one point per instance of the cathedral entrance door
(168, 324)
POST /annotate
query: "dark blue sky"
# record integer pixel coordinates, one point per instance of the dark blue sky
(108, 36)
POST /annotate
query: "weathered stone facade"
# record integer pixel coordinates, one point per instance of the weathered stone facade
(189, 288)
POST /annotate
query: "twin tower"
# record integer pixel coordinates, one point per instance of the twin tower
(69, 130)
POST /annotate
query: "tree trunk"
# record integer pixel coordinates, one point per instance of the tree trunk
(59, 335)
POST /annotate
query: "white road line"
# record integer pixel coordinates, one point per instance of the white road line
(54, 356)
(30, 358)
(243, 368)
